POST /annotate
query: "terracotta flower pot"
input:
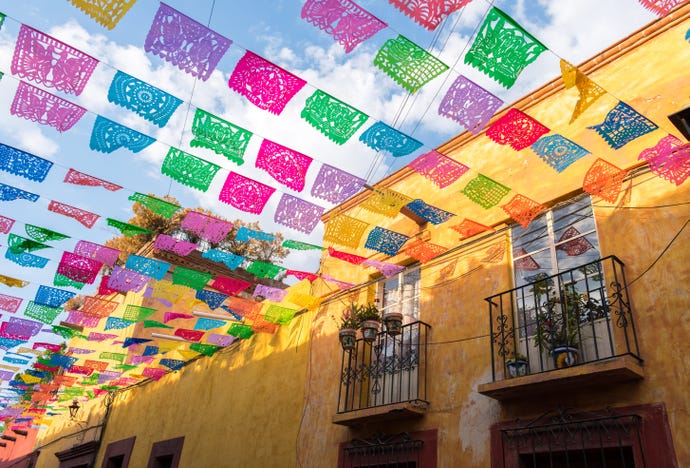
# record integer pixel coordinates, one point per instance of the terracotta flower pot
(348, 338)
(393, 322)
(370, 328)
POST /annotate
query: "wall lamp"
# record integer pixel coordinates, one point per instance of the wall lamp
(74, 409)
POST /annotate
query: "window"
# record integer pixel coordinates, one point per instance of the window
(405, 450)
(561, 239)
(560, 300)
(166, 453)
(400, 293)
(117, 454)
(634, 436)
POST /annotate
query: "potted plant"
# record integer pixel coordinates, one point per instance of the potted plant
(558, 329)
(393, 322)
(516, 365)
(349, 322)
(370, 321)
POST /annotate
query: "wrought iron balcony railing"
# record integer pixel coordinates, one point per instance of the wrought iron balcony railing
(390, 370)
(563, 320)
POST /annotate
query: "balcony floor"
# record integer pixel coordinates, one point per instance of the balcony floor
(404, 410)
(616, 369)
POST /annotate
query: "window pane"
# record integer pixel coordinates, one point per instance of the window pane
(572, 220)
(401, 294)
(535, 237)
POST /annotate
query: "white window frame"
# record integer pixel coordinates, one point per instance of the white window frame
(405, 296)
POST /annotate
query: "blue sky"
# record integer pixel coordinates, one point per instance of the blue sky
(574, 29)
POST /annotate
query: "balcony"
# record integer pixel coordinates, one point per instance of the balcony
(385, 379)
(563, 331)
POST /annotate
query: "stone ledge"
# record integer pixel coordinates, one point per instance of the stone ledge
(616, 369)
(405, 410)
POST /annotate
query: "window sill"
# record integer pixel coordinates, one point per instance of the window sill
(405, 410)
(616, 369)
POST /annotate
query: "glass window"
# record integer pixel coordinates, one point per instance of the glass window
(562, 239)
(559, 240)
(400, 293)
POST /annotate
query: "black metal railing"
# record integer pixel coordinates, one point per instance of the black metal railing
(577, 316)
(395, 451)
(602, 439)
(389, 370)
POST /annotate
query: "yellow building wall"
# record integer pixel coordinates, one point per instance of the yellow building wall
(454, 286)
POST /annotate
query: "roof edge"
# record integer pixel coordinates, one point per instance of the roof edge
(594, 63)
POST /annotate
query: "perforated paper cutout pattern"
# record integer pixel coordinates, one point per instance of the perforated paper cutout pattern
(297, 214)
(229, 259)
(408, 64)
(469, 104)
(106, 12)
(245, 194)
(189, 170)
(23, 164)
(219, 135)
(558, 152)
(485, 191)
(43, 234)
(660, 7)
(386, 202)
(502, 48)
(428, 13)
(345, 230)
(264, 84)
(5, 224)
(347, 22)
(205, 226)
(157, 205)
(79, 178)
(40, 106)
(429, 213)
(438, 168)
(78, 268)
(26, 260)
(385, 240)
(147, 266)
(180, 40)
(381, 137)
(124, 280)
(86, 218)
(468, 228)
(387, 269)
(517, 129)
(424, 251)
(108, 136)
(9, 193)
(170, 244)
(287, 166)
(101, 253)
(335, 185)
(143, 99)
(669, 159)
(622, 125)
(52, 63)
(587, 89)
(523, 209)
(332, 117)
(605, 180)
